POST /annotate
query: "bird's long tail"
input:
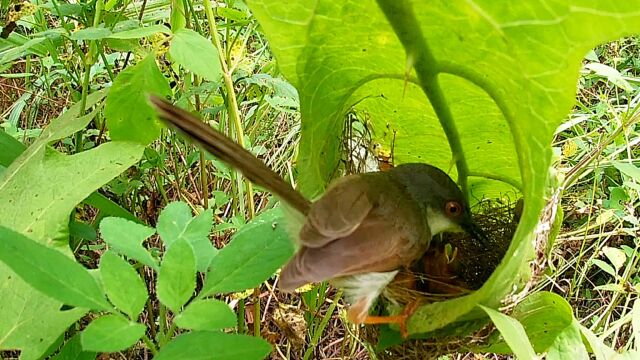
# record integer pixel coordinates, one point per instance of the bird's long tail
(230, 152)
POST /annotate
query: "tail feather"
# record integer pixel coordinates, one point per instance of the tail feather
(231, 153)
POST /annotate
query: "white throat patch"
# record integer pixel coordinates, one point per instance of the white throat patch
(439, 223)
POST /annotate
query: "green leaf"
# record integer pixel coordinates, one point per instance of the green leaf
(628, 169)
(20, 51)
(126, 238)
(10, 148)
(49, 185)
(50, 272)
(513, 333)
(208, 314)
(600, 350)
(615, 256)
(196, 54)
(610, 74)
(129, 115)
(123, 285)
(72, 350)
(111, 333)
(545, 316)
(140, 32)
(499, 79)
(177, 276)
(256, 251)
(204, 345)
(568, 345)
(176, 223)
(604, 266)
(91, 33)
(108, 207)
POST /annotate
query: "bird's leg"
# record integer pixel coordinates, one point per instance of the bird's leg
(400, 319)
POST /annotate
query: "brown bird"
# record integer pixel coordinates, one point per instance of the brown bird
(361, 231)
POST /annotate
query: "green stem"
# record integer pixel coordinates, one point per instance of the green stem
(150, 345)
(169, 334)
(232, 102)
(162, 321)
(160, 184)
(407, 28)
(256, 312)
(241, 308)
(88, 63)
(204, 176)
(323, 324)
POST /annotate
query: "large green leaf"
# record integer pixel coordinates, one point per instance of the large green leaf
(479, 84)
(549, 324)
(513, 333)
(207, 314)
(214, 346)
(254, 254)
(129, 115)
(37, 193)
(50, 271)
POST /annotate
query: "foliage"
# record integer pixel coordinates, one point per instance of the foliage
(118, 330)
(478, 85)
(496, 94)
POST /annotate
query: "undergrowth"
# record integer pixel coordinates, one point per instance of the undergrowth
(594, 260)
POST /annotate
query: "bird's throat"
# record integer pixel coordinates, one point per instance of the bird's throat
(439, 223)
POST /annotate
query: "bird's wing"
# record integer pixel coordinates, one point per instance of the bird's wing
(377, 245)
(338, 213)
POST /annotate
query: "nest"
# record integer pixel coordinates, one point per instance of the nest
(455, 265)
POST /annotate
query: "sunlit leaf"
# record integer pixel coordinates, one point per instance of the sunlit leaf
(129, 115)
(499, 79)
(256, 251)
(177, 276)
(110, 333)
(214, 346)
(208, 314)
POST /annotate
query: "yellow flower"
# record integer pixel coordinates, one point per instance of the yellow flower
(569, 149)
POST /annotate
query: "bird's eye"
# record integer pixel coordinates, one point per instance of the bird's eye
(453, 209)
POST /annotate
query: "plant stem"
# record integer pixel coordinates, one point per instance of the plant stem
(404, 22)
(256, 311)
(204, 178)
(150, 345)
(323, 324)
(232, 103)
(162, 321)
(240, 315)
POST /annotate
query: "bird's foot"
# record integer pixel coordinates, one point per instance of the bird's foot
(400, 319)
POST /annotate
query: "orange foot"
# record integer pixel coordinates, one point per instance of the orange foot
(400, 319)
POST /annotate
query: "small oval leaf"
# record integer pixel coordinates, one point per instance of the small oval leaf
(111, 333)
(196, 54)
(70, 283)
(209, 314)
(124, 287)
(177, 276)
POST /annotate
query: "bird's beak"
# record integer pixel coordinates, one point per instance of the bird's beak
(474, 230)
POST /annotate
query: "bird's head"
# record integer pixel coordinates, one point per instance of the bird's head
(446, 207)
